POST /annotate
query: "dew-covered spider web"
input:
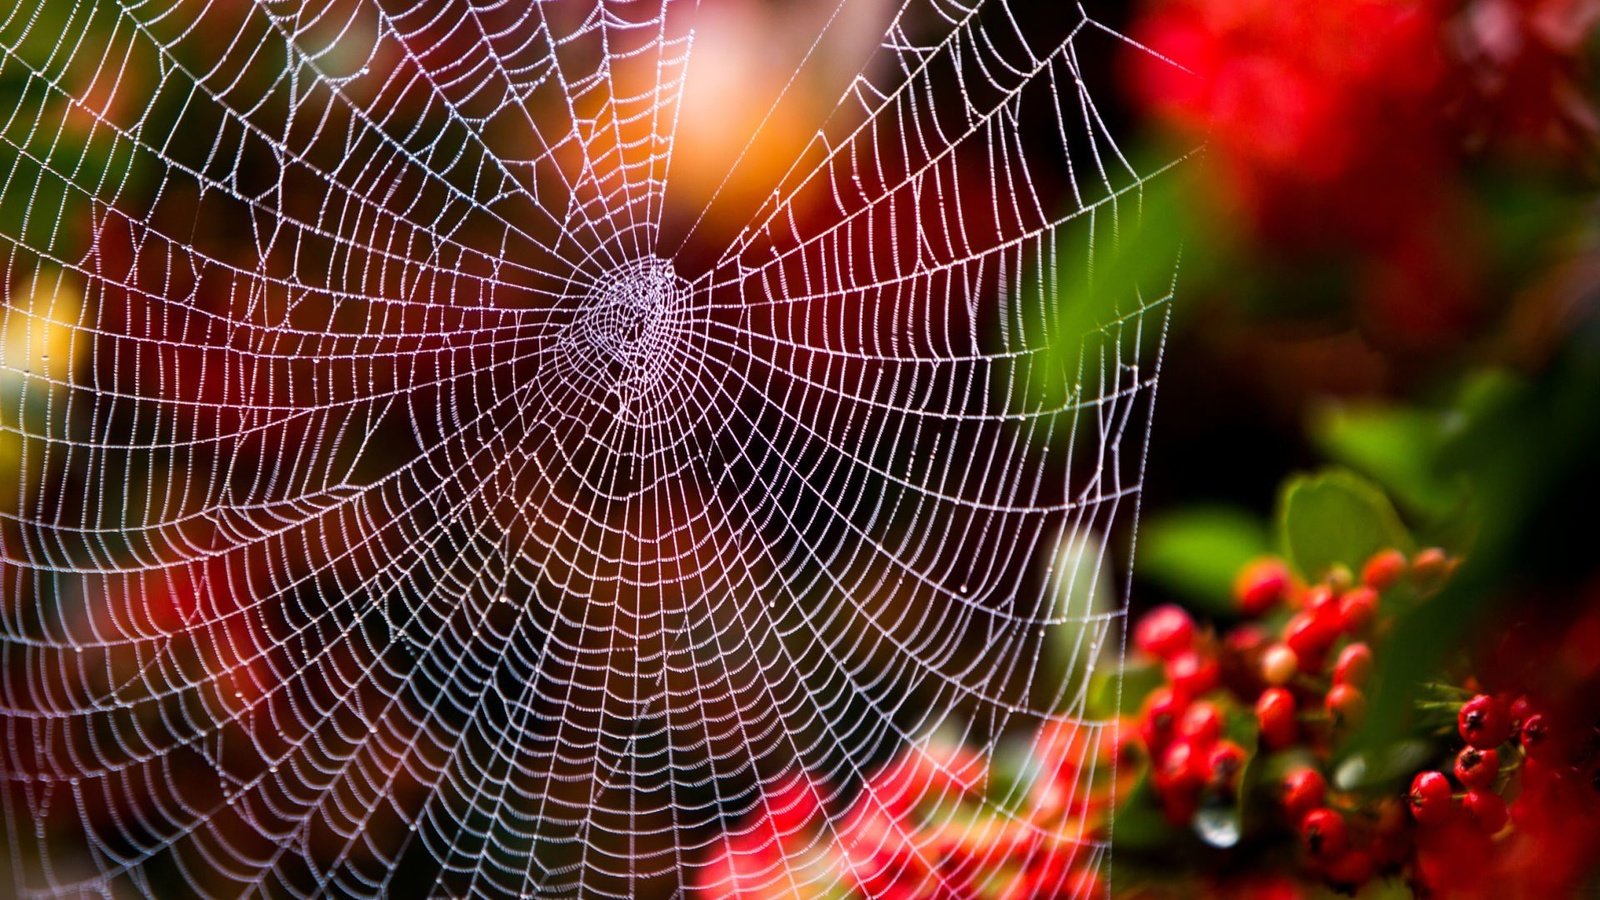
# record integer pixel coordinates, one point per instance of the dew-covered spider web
(483, 448)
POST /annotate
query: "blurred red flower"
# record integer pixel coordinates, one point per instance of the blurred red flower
(1523, 68)
(1321, 117)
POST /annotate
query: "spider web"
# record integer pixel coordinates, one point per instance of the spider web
(419, 477)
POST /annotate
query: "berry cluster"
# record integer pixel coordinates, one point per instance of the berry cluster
(1338, 127)
(1292, 679)
(939, 820)
(1251, 718)
(1469, 841)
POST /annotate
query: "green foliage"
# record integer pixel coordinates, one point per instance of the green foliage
(1383, 768)
(1335, 518)
(1331, 518)
(1118, 689)
(1527, 215)
(1140, 824)
(61, 151)
(1524, 448)
(1398, 447)
(1079, 591)
(1109, 262)
(1012, 772)
(1198, 552)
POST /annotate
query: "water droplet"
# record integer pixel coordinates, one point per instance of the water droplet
(1218, 826)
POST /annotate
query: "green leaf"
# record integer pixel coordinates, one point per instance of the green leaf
(1080, 597)
(1398, 447)
(1198, 551)
(1011, 774)
(1082, 291)
(1335, 517)
(1392, 888)
(1390, 765)
(1116, 688)
(1275, 767)
(1139, 823)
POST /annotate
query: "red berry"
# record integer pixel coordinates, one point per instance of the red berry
(1159, 720)
(794, 804)
(1182, 769)
(1275, 714)
(1354, 665)
(1430, 798)
(1536, 739)
(1477, 768)
(1357, 608)
(875, 850)
(1384, 569)
(1321, 601)
(1278, 664)
(1548, 778)
(1223, 765)
(1051, 876)
(1179, 807)
(1193, 674)
(1080, 883)
(1347, 705)
(1391, 832)
(1487, 808)
(1261, 585)
(1324, 833)
(1309, 636)
(1484, 722)
(1201, 723)
(1521, 708)
(1429, 567)
(1245, 639)
(1164, 632)
(1351, 869)
(1303, 791)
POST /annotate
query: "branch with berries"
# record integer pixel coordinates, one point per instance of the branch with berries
(1290, 677)
(1489, 786)
(1235, 757)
